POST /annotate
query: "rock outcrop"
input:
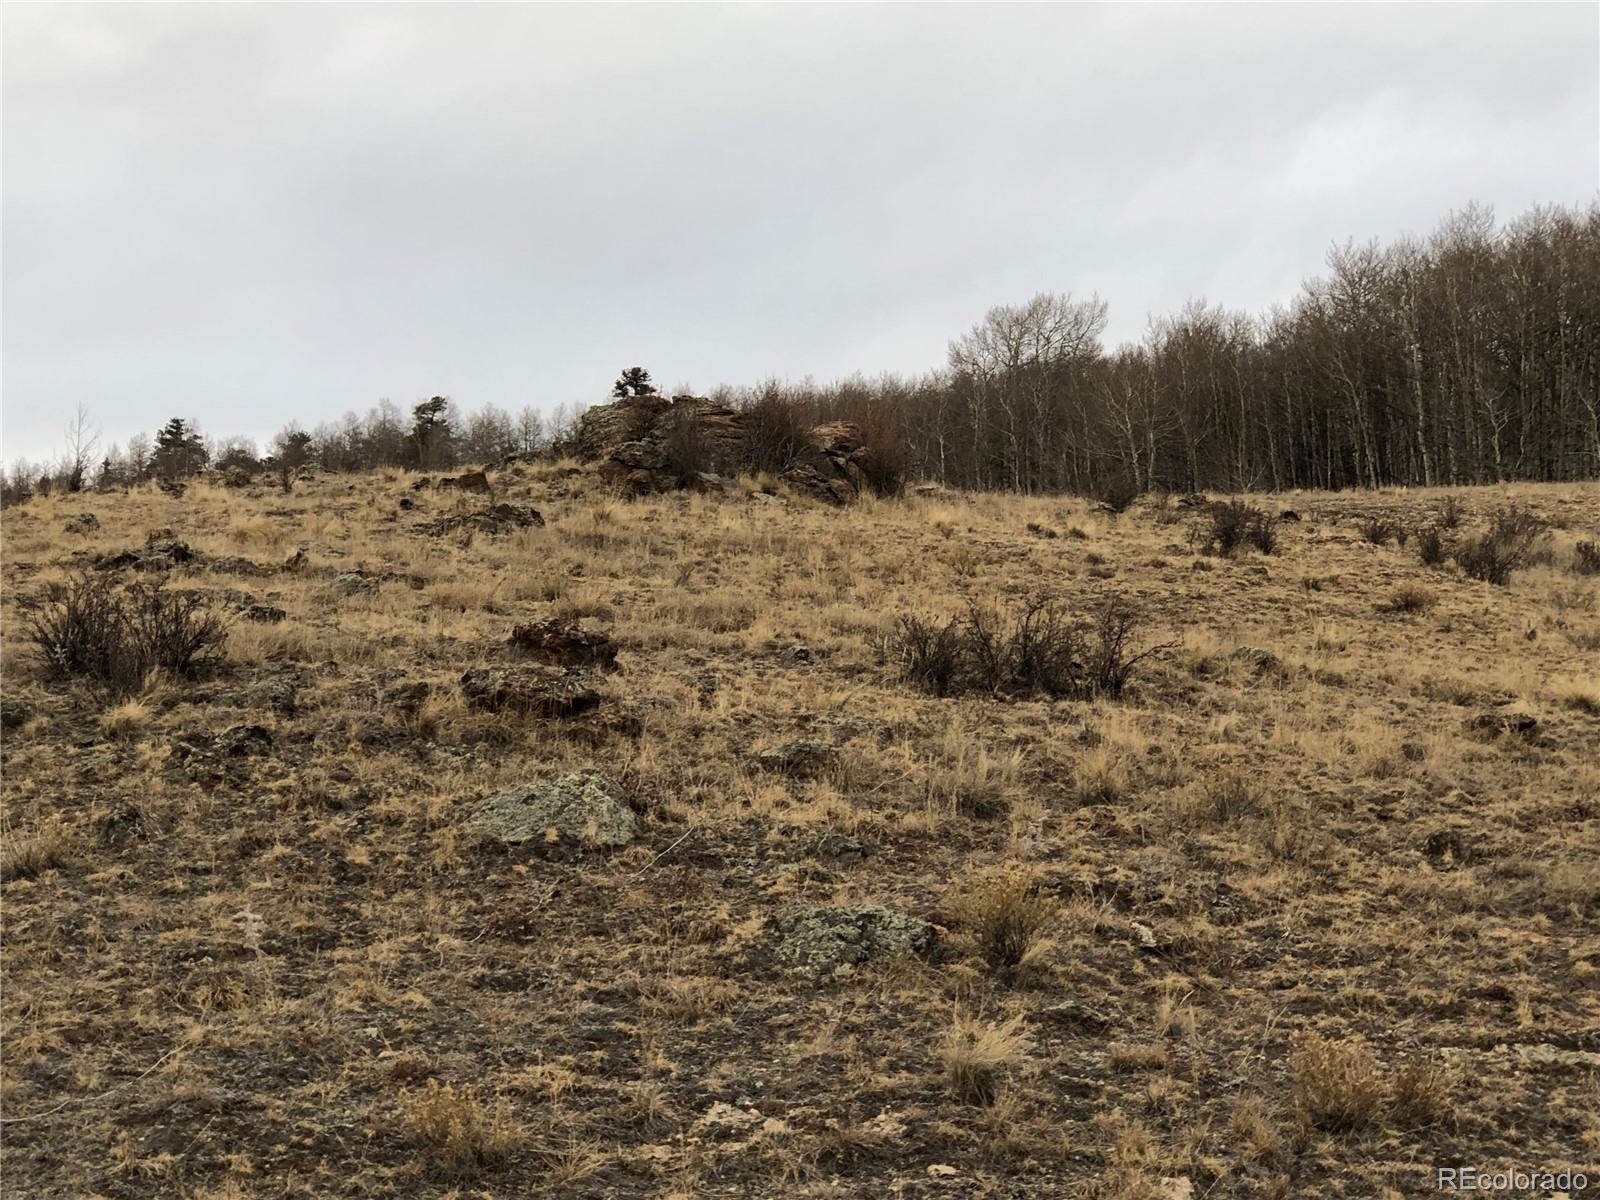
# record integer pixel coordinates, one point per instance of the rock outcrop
(646, 444)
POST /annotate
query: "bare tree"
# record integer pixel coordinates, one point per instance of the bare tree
(83, 436)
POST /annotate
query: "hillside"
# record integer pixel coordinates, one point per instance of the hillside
(1311, 908)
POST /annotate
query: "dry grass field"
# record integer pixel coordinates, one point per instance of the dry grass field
(1309, 909)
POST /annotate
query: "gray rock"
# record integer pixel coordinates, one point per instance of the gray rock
(406, 698)
(541, 691)
(820, 938)
(351, 583)
(584, 807)
(280, 693)
(802, 758)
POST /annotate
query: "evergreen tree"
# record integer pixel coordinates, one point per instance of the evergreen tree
(635, 381)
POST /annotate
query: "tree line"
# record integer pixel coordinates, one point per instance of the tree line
(1468, 356)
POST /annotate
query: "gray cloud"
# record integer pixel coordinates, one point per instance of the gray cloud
(248, 214)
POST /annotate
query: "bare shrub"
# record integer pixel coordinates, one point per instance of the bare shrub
(1234, 525)
(116, 638)
(930, 655)
(1431, 546)
(684, 446)
(1409, 599)
(885, 458)
(775, 432)
(1378, 530)
(1586, 558)
(1116, 492)
(1002, 914)
(1112, 655)
(1044, 649)
(1450, 513)
(1507, 547)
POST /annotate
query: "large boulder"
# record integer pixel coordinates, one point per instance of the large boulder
(829, 466)
(584, 807)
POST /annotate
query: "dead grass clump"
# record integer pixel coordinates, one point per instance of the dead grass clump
(1228, 797)
(973, 1054)
(1003, 914)
(456, 1130)
(27, 857)
(125, 721)
(116, 639)
(1100, 779)
(1254, 1128)
(1337, 1087)
(1422, 1096)
(970, 782)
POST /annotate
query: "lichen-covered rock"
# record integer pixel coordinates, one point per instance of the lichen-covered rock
(821, 938)
(802, 758)
(407, 697)
(353, 583)
(494, 520)
(235, 564)
(584, 807)
(539, 691)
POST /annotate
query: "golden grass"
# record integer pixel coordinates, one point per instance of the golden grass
(1286, 918)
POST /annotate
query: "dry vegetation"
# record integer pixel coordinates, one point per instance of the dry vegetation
(1305, 904)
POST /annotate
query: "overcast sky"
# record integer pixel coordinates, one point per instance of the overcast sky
(251, 214)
